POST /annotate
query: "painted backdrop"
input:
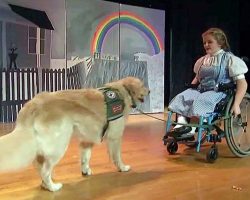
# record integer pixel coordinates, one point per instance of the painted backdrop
(112, 41)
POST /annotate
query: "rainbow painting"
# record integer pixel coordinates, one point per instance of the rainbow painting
(129, 18)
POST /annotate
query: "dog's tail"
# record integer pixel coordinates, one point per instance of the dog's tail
(17, 150)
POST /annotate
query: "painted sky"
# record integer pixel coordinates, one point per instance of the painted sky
(83, 18)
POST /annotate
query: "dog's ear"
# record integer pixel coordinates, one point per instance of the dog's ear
(130, 84)
(129, 88)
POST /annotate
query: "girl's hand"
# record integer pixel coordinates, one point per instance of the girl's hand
(235, 110)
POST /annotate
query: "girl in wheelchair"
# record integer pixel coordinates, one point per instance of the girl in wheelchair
(218, 66)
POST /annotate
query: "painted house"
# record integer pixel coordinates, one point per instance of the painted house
(36, 46)
(30, 44)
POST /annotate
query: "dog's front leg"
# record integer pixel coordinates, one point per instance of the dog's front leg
(114, 147)
(114, 138)
(85, 157)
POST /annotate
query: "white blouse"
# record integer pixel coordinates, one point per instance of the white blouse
(237, 67)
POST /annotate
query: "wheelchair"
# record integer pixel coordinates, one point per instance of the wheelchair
(213, 128)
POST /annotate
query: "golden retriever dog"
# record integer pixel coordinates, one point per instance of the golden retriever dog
(45, 124)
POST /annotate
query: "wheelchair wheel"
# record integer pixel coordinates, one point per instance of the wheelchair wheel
(212, 154)
(237, 129)
(172, 147)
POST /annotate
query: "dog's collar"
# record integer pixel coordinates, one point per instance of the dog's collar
(133, 101)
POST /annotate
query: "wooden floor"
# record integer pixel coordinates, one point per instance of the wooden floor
(155, 174)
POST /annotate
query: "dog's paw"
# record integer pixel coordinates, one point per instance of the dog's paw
(86, 172)
(125, 168)
(53, 187)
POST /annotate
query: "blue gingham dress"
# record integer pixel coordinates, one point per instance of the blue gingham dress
(210, 70)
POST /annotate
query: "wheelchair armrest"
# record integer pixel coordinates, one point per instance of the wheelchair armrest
(220, 107)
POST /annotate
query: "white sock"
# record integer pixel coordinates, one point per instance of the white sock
(192, 132)
(181, 119)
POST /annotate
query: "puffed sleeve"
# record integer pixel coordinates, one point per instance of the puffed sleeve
(198, 64)
(237, 67)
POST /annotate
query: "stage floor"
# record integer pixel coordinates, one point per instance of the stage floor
(155, 174)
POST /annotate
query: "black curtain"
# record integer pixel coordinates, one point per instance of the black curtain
(189, 19)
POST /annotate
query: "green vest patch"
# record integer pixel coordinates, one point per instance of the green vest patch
(115, 105)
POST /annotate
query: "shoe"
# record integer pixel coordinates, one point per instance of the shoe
(178, 132)
(187, 136)
(182, 130)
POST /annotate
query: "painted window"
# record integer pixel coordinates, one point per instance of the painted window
(36, 40)
(42, 41)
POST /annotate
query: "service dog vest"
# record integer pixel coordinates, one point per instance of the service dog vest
(115, 105)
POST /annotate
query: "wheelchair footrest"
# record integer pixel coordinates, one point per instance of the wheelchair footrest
(179, 134)
(185, 138)
(178, 137)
